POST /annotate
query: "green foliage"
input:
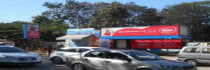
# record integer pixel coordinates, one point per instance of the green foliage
(97, 15)
(14, 31)
(120, 15)
(49, 32)
(53, 22)
(150, 17)
(186, 13)
(193, 15)
(111, 16)
(40, 19)
(11, 31)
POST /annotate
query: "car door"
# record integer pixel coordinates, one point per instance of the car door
(94, 60)
(70, 52)
(63, 53)
(118, 61)
(205, 55)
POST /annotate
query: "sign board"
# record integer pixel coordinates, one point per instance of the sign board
(158, 44)
(164, 30)
(83, 31)
(31, 31)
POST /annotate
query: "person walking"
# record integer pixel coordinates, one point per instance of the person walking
(49, 50)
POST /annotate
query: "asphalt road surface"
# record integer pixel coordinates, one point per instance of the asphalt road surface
(46, 65)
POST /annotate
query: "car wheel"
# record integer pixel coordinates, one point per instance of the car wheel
(193, 62)
(78, 67)
(57, 60)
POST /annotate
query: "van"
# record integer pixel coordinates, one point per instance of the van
(195, 55)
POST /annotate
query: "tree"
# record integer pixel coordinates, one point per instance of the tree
(12, 31)
(110, 16)
(186, 13)
(192, 15)
(40, 19)
(150, 17)
(74, 13)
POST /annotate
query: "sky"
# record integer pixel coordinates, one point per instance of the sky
(24, 10)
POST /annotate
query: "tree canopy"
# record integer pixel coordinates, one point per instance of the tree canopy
(73, 14)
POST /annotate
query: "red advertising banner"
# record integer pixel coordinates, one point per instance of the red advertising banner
(142, 31)
(31, 31)
(158, 44)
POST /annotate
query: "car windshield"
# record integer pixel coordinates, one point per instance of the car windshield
(10, 50)
(143, 56)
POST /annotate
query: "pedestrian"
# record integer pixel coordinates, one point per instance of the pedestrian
(49, 50)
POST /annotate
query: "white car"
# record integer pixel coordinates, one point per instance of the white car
(14, 55)
(124, 60)
(59, 56)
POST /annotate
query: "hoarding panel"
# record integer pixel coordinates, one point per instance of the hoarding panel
(141, 31)
(83, 31)
(158, 44)
(31, 31)
(141, 37)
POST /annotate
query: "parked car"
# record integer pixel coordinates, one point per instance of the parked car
(195, 55)
(124, 60)
(5, 45)
(59, 56)
(14, 55)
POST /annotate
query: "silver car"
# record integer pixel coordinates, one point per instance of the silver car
(59, 55)
(195, 55)
(124, 60)
(14, 55)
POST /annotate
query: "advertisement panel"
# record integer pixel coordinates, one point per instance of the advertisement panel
(164, 30)
(83, 31)
(31, 31)
(157, 44)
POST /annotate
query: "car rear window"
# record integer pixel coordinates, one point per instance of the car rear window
(71, 50)
(68, 50)
(192, 50)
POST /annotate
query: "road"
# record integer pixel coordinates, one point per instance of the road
(46, 65)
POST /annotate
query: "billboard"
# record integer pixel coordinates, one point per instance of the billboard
(31, 31)
(157, 44)
(83, 31)
(164, 30)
